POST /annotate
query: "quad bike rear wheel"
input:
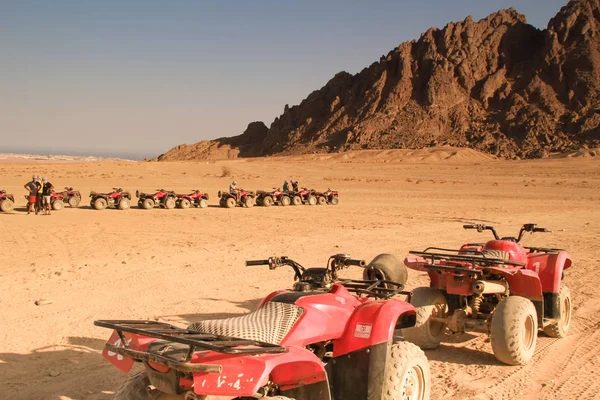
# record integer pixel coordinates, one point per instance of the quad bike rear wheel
(248, 201)
(407, 374)
(514, 330)
(184, 203)
(267, 201)
(296, 201)
(136, 388)
(312, 200)
(321, 201)
(74, 201)
(386, 267)
(203, 203)
(123, 204)
(57, 205)
(285, 201)
(170, 203)
(6, 205)
(560, 328)
(230, 202)
(147, 204)
(100, 203)
(427, 334)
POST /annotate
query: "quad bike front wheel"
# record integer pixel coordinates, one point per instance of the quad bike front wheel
(514, 330)
(386, 267)
(296, 201)
(560, 328)
(407, 374)
(148, 204)
(230, 202)
(74, 201)
(285, 201)
(321, 201)
(248, 201)
(123, 204)
(334, 201)
(57, 205)
(203, 203)
(184, 203)
(267, 201)
(427, 333)
(170, 203)
(312, 200)
(100, 203)
(6, 205)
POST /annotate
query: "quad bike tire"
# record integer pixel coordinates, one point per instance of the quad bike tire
(147, 204)
(267, 201)
(123, 204)
(514, 330)
(170, 203)
(57, 205)
(184, 203)
(407, 373)
(100, 203)
(203, 203)
(136, 388)
(6, 205)
(285, 201)
(386, 267)
(230, 202)
(296, 200)
(248, 201)
(312, 200)
(321, 201)
(560, 328)
(428, 302)
(74, 201)
(334, 201)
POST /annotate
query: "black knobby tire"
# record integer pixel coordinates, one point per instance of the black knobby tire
(514, 330)
(57, 205)
(6, 205)
(184, 203)
(136, 388)
(147, 204)
(386, 267)
(296, 200)
(230, 202)
(74, 201)
(407, 374)
(170, 203)
(560, 328)
(427, 334)
(285, 201)
(100, 203)
(123, 203)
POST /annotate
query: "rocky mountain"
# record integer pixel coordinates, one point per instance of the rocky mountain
(498, 85)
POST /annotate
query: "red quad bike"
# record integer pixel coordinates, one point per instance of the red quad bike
(327, 338)
(196, 199)
(228, 200)
(7, 201)
(117, 198)
(500, 287)
(161, 198)
(267, 199)
(56, 200)
(304, 196)
(328, 197)
(71, 197)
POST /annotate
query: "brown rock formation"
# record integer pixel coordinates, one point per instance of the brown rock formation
(497, 85)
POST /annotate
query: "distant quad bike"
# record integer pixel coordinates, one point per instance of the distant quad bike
(117, 198)
(196, 199)
(228, 200)
(304, 196)
(71, 197)
(267, 199)
(500, 287)
(57, 200)
(328, 197)
(327, 338)
(7, 201)
(161, 198)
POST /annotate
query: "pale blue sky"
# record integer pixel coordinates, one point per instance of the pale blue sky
(141, 76)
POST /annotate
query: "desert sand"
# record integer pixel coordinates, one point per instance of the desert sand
(181, 266)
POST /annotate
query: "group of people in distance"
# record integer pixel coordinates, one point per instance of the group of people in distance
(233, 189)
(40, 191)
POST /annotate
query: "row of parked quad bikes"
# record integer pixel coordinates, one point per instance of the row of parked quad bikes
(121, 199)
(334, 338)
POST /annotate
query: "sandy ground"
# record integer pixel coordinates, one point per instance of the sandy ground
(185, 265)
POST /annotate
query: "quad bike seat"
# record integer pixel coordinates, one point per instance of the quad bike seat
(269, 324)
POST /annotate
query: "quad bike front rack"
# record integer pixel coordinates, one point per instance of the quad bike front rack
(196, 341)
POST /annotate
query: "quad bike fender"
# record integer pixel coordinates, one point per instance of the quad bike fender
(521, 282)
(134, 341)
(373, 323)
(550, 268)
(244, 375)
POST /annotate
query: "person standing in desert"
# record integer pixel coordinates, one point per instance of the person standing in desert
(33, 193)
(47, 192)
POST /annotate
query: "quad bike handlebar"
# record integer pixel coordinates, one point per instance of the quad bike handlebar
(525, 228)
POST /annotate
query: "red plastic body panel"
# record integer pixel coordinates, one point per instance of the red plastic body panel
(372, 323)
(416, 263)
(550, 268)
(136, 342)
